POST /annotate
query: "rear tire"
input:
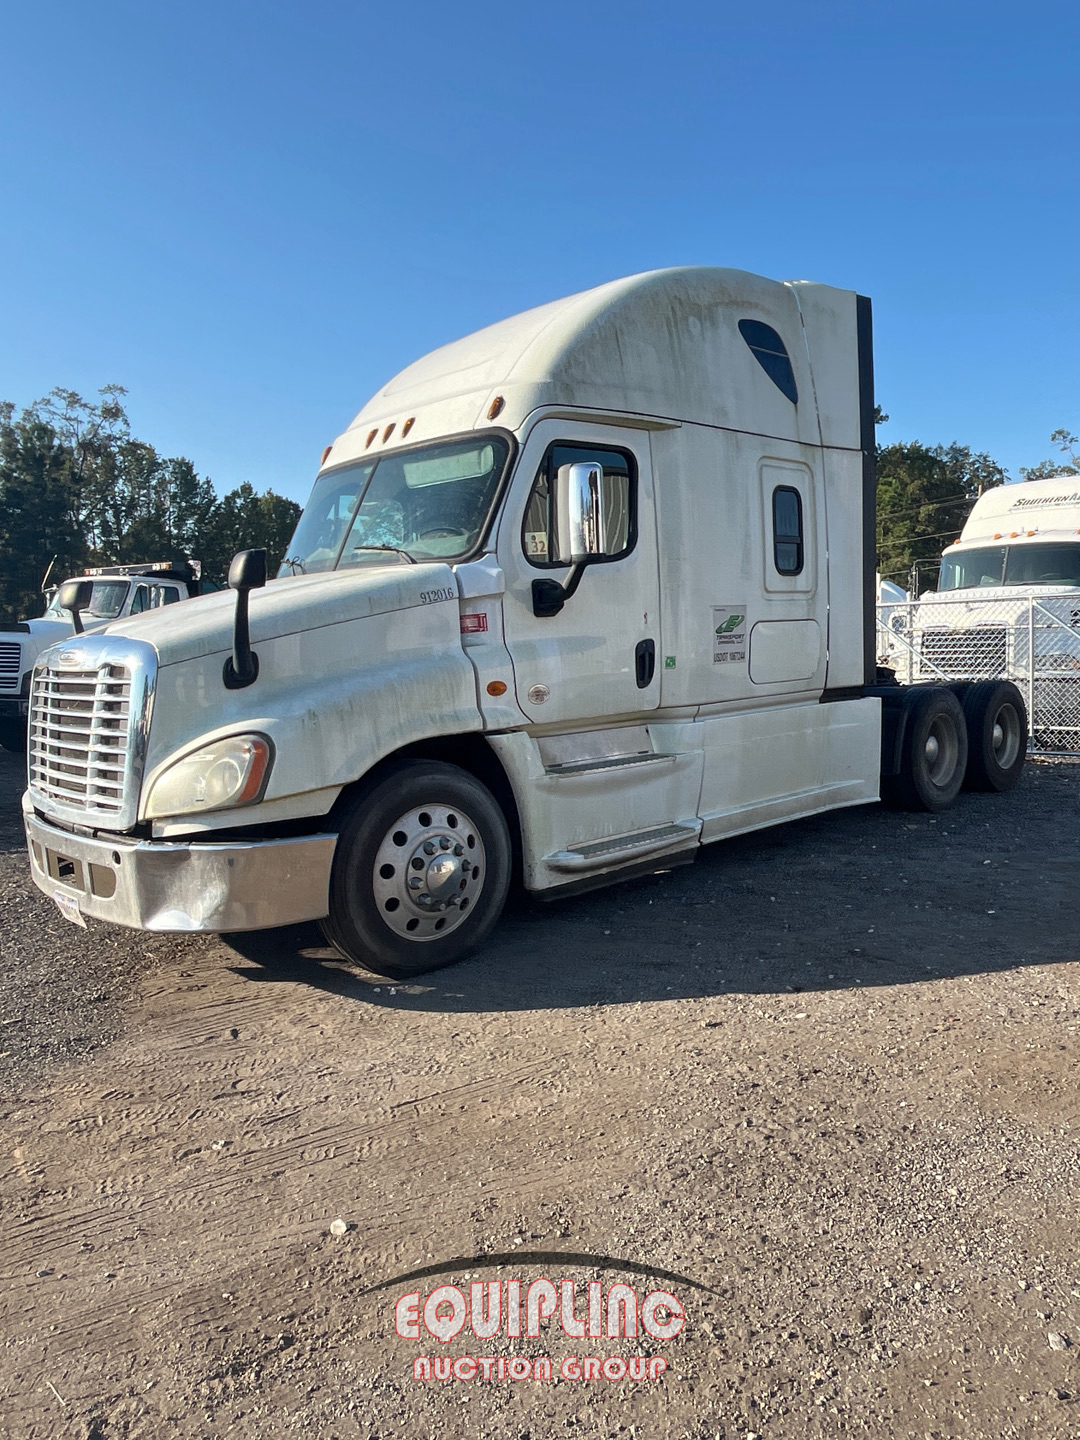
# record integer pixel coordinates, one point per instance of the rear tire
(421, 870)
(996, 721)
(934, 754)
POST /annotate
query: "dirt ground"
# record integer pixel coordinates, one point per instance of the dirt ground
(828, 1073)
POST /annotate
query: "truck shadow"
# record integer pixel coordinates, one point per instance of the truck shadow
(860, 898)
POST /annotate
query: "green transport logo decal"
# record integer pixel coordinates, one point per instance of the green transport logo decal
(729, 634)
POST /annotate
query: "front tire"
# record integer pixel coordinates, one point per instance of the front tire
(421, 870)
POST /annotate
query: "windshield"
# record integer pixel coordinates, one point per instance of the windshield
(1011, 565)
(413, 505)
(106, 603)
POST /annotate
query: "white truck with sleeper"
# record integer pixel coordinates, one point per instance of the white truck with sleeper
(116, 591)
(572, 598)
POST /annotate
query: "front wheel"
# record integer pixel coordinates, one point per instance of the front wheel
(421, 870)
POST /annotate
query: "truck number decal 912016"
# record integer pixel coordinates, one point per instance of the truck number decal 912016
(432, 597)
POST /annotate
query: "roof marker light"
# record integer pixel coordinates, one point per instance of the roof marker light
(388, 432)
(370, 438)
(325, 453)
(408, 425)
(495, 407)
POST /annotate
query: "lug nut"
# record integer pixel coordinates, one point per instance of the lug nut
(429, 847)
(444, 843)
(459, 850)
(416, 882)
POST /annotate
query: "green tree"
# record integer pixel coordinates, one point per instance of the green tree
(1069, 445)
(247, 521)
(76, 484)
(924, 495)
(37, 503)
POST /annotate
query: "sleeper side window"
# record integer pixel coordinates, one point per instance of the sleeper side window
(618, 485)
(787, 514)
(771, 354)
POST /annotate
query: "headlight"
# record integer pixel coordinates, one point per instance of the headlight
(220, 776)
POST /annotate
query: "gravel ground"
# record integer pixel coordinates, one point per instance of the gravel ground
(828, 1073)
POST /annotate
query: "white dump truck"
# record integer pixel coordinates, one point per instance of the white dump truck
(572, 598)
(1007, 606)
(116, 591)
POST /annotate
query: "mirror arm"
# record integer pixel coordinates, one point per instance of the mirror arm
(549, 596)
(242, 667)
(246, 573)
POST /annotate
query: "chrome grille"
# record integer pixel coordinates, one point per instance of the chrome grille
(78, 736)
(89, 712)
(963, 653)
(10, 664)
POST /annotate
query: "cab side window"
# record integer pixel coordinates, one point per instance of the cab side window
(787, 530)
(619, 493)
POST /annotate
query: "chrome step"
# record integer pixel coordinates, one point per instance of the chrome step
(600, 853)
(609, 762)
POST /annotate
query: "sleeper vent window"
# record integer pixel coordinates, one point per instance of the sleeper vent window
(770, 354)
(787, 530)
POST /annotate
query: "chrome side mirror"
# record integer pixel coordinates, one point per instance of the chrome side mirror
(579, 512)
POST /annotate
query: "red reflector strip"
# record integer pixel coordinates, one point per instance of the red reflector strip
(473, 624)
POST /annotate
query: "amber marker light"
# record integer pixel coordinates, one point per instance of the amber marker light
(496, 687)
(408, 425)
(325, 453)
(370, 438)
(496, 407)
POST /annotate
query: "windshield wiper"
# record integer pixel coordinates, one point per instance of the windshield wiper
(391, 549)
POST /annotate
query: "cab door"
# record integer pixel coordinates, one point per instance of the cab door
(597, 659)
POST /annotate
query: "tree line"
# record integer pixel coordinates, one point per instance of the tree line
(77, 486)
(925, 494)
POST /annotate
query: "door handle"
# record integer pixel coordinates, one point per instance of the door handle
(645, 662)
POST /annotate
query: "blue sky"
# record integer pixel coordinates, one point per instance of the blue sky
(252, 215)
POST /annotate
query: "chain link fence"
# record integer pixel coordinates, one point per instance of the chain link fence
(1033, 641)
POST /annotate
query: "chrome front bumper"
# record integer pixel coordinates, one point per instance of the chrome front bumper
(157, 885)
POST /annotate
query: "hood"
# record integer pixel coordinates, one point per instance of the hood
(297, 603)
(987, 594)
(49, 631)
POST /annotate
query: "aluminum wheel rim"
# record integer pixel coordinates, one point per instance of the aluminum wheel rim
(428, 872)
(1005, 736)
(942, 750)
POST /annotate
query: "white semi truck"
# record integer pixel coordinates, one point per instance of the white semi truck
(116, 591)
(571, 598)
(1006, 606)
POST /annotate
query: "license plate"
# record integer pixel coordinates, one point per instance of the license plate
(68, 906)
